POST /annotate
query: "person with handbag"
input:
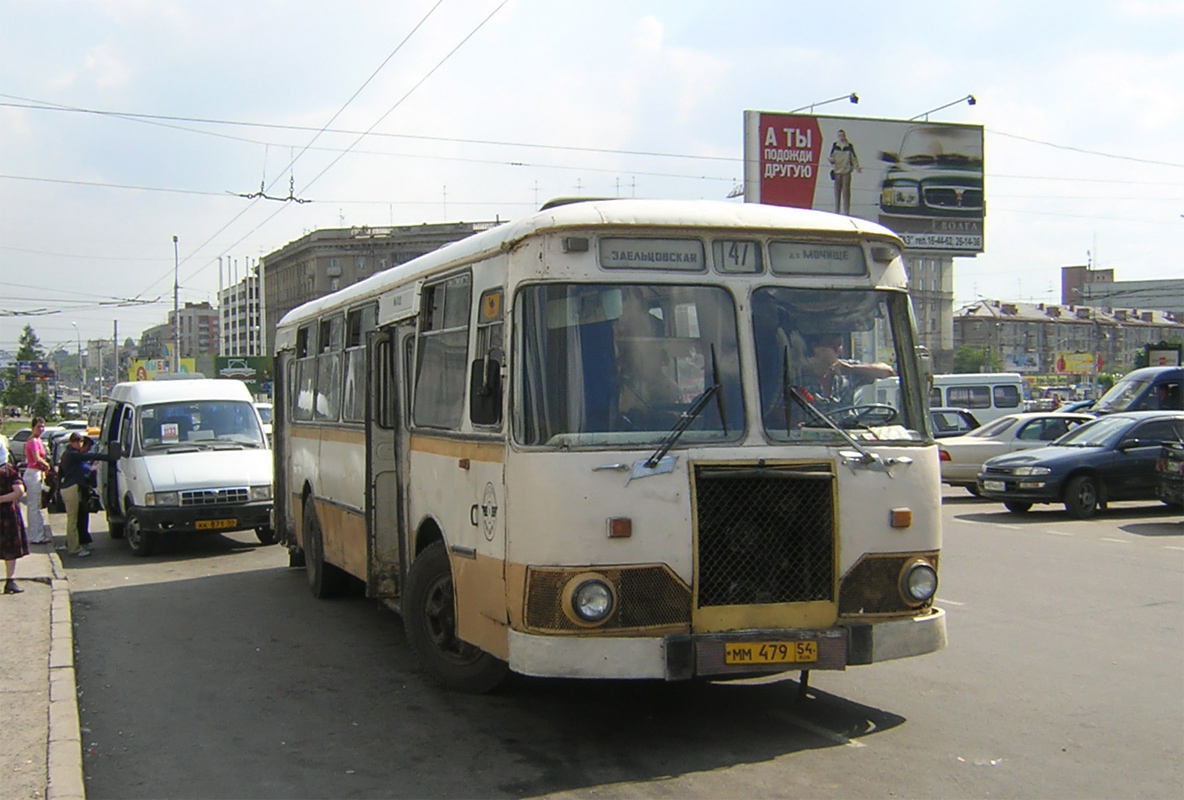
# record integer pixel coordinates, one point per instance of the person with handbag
(13, 543)
(37, 468)
(76, 489)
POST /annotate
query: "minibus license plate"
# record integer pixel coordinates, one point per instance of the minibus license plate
(770, 652)
(215, 524)
(994, 486)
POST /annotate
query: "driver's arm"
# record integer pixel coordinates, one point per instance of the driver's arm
(864, 372)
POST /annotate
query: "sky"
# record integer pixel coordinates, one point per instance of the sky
(126, 123)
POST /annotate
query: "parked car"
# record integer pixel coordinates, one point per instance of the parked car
(952, 422)
(1111, 458)
(962, 457)
(72, 424)
(265, 411)
(1169, 474)
(1146, 389)
(1078, 405)
(23, 434)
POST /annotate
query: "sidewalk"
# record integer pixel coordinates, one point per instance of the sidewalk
(42, 747)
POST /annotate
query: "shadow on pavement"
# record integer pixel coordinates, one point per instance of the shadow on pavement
(243, 685)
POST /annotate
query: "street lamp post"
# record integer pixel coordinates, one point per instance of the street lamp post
(176, 311)
(81, 368)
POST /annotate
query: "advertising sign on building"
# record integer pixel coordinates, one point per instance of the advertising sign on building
(1078, 363)
(924, 180)
(146, 369)
(254, 371)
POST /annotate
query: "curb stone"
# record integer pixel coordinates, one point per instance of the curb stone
(64, 748)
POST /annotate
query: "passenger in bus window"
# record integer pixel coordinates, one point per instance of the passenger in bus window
(830, 379)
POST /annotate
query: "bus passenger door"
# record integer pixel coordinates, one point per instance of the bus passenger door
(384, 465)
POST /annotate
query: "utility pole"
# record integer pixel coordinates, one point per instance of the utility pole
(176, 310)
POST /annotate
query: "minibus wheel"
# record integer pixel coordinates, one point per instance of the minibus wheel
(324, 579)
(429, 617)
(142, 542)
(265, 535)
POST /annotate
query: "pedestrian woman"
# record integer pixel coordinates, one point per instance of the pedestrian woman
(37, 467)
(13, 544)
(75, 489)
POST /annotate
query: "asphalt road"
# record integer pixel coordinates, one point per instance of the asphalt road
(209, 671)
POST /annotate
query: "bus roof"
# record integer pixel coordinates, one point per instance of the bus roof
(702, 214)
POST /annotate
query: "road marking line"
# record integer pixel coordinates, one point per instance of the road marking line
(1172, 547)
(817, 730)
(1059, 533)
(946, 602)
(1116, 541)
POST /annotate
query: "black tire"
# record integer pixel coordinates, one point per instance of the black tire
(265, 535)
(142, 542)
(324, 580)
(1082, 497)
(296, 558)
(429, 617)
(973, 490)
(114, 529)
(1017, 507)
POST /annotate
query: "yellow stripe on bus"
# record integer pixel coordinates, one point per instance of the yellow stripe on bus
(476, 451)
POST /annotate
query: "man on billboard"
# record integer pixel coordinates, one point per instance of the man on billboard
(843, 162)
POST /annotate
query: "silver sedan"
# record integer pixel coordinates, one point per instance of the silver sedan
(962, 457)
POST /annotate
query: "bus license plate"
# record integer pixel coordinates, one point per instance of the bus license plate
(770, 652)
(994, 486)
(215, 524)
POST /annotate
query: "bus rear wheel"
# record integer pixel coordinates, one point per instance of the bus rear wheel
(429, 617)
(324, 579)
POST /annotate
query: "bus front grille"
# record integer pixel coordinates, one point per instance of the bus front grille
(765, 535)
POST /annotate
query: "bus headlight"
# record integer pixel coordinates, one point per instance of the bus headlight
(160, 499)
(918, 582)
(591, 599)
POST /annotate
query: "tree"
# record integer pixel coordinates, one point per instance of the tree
(23, 393)
(976, 359)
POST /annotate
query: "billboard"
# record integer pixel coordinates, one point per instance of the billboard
(146, 369)
(254, 371)
(924, 180)
(39, 371)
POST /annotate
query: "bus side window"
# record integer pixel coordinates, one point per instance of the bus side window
(440, 369)
(485, 378)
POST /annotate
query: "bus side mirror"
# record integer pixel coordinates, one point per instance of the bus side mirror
(485, 391)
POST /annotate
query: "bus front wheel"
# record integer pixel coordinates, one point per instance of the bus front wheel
(429, 617)
(324, 579)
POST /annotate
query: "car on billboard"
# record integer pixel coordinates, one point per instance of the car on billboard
(237, 368)
(935, 174)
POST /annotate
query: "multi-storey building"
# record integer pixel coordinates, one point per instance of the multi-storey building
(1033, 337)
(931, 286)
(197, 333)
(239, 309)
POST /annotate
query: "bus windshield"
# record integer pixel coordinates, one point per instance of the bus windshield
(827, 352)
(618, 364)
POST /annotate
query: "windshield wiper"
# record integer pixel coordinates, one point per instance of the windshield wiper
(691, 414)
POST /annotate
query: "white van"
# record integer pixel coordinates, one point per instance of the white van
(988, 395)
(195, 460)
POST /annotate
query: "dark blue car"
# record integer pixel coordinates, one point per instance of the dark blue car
(1111, 458)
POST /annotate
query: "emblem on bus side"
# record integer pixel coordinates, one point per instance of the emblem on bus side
(489, 511)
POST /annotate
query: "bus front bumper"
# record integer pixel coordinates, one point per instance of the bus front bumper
(682, 657)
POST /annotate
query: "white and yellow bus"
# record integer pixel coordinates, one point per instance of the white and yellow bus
(614, 440)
